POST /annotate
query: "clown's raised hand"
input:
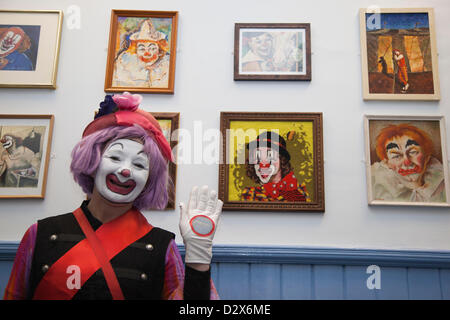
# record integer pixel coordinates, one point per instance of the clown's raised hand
(198, 223)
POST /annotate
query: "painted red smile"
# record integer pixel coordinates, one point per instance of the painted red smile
(265, 172)
(405, 172)
(113, 184)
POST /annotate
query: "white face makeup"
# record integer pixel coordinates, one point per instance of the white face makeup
(9, 42)
(405, 156)
(123, 171)
(147, 52)
(267, 163)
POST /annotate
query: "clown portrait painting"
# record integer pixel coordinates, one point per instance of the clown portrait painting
(272, 51)
(29, 48)
(272, 164)
(19, 47)
(142, 52)
(21, 155)
(407, 162)
(25, 142)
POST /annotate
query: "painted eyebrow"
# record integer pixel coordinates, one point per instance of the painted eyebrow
(392, 145)
(411, 142)
(116, 144)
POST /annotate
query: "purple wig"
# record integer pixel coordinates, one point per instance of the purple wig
(87, 154)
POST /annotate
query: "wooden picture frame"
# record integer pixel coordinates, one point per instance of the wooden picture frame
(32, 39)
(170, 123)
(399, 54)
(272, 51)
(406, 160)
(24, 155)
(142, 51)
(294, 179)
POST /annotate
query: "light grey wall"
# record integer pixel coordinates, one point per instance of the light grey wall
(204, 86)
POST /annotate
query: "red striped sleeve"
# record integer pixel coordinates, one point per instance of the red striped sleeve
(17, 288)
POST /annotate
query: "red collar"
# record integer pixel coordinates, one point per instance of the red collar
(288, 183)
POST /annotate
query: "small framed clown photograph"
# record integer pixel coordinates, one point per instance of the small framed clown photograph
(406, 160)
(272, 161)
(169, 123)
(29, 48)
(398, 54)
(141, 52)
(272, 51)
(24, 155)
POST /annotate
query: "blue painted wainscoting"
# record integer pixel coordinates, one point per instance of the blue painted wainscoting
(241, 272)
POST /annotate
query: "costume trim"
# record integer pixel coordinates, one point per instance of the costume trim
(100, 254)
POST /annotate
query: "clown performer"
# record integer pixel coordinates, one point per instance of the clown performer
(106, 249)
(402, 69)
(269, 166)
(144, 59)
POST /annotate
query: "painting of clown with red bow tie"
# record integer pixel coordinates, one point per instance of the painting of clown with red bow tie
(269, 166)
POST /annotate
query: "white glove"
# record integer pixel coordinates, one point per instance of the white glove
(198, 223)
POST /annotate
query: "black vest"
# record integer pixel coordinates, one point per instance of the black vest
(139, 267)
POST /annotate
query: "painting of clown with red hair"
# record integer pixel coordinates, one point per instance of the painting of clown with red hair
(407, 162)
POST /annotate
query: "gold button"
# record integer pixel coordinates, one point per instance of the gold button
(53, 237)
(144, 276)
(149, 247)
(45, 268)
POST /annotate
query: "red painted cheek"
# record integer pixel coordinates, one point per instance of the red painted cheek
(420, 160)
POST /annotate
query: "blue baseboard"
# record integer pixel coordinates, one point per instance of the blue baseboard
(262, 272)
(331, 256)
(306, 255)
(8, 250)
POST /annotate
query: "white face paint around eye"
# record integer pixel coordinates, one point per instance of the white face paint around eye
(9, 42)
(123, 171)
(267, 164)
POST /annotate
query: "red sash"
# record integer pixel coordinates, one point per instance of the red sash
(93, 253)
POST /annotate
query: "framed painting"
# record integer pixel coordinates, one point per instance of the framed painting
(29, 48)
(406, 160)
(272, 51)
(24, 155)
(141, 52)
(398, 54)
(271, 161)
(170, 123)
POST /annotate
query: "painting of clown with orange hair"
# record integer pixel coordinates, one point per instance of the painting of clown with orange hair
(407, 162)
(141, 54)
